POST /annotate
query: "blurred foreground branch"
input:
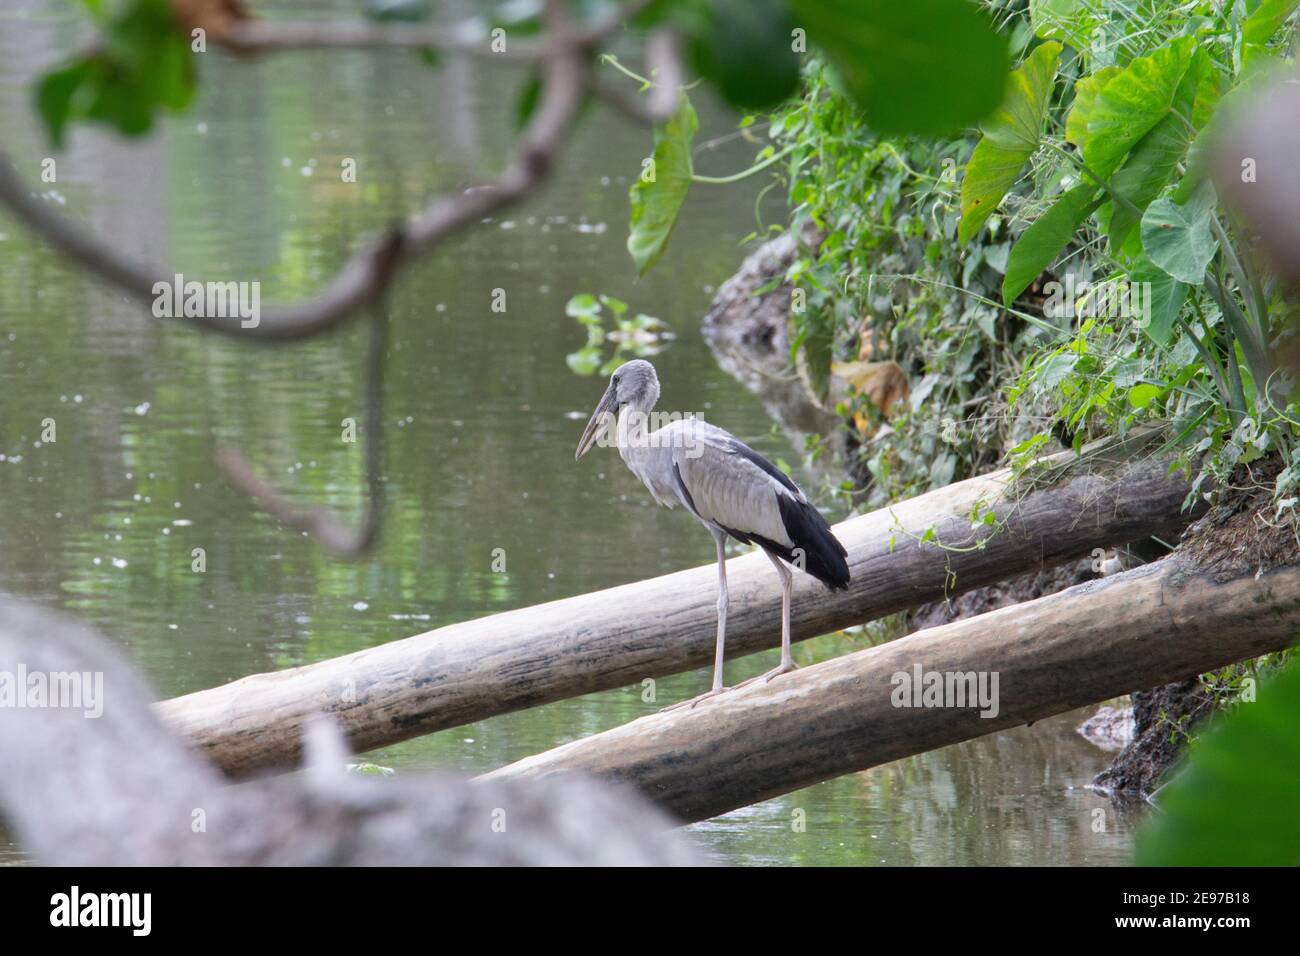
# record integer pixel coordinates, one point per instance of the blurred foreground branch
(92, 778)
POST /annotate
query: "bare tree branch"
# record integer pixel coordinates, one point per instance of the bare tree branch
(360, 280)
(319, 522)
(565, 63)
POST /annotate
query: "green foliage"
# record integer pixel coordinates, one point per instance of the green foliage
(1178, 239)
(744, 49)
(142, 65)
(898, 61)
(1234, 804)
(1132, 101)
(1165, 302)
(1137, 216)
(1011, 136)
(1155, 157)
(1069, 20)
(636, 336)
(1266, 19)
(1126, 297)
(658, 193)
(1040, 244)
(895, 61)
(889, 281)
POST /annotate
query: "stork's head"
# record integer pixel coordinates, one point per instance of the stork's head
(634, 384)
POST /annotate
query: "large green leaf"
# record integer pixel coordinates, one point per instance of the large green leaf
(1209, 91)
(141, 65)
(745, 50)
(1017, 123)
(1179, 239)
(55, 95)
(1156, 156)
(1235, 803)
(1214, 90)
(1011, 134)
(1162, 296)
(656, 203)
(1267, 18)
(920, 66)
(1040, 244)
(1085, 98)
(1131, 102)
(991, 171)
(1143, 394)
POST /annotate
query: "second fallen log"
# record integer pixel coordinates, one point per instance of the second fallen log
(1155, 624)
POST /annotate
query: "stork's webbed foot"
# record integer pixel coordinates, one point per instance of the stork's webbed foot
(695, 700)
(784, 667)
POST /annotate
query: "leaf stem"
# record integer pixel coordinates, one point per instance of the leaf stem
(613, 61)
(746, 173)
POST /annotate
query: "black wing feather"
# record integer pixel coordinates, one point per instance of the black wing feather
(815, 550)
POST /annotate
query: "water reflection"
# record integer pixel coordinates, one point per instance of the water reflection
(105, 521)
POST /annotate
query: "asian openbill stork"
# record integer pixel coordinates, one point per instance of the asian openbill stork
(729, 487)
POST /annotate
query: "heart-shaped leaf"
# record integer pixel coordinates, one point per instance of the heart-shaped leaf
(1156, 155)
(1161, 296)
(1178, 239)
(1131, 102)
(658, 193)
(1086, 91)
(920, 66)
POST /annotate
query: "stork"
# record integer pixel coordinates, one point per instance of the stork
(730, 488)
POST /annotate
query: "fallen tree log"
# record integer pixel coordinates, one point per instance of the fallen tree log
(92, 778)
(477, 669)
(1158, 623)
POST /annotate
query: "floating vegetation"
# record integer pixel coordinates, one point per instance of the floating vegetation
(636, 336)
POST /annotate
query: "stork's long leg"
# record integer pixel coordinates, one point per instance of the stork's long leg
(719, 539)
(787, 662)
(787, 580)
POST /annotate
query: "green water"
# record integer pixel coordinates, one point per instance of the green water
(482, 412)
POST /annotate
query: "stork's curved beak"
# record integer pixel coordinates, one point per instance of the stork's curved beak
(600, 420)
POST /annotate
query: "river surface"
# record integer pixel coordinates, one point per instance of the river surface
(483, 414)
